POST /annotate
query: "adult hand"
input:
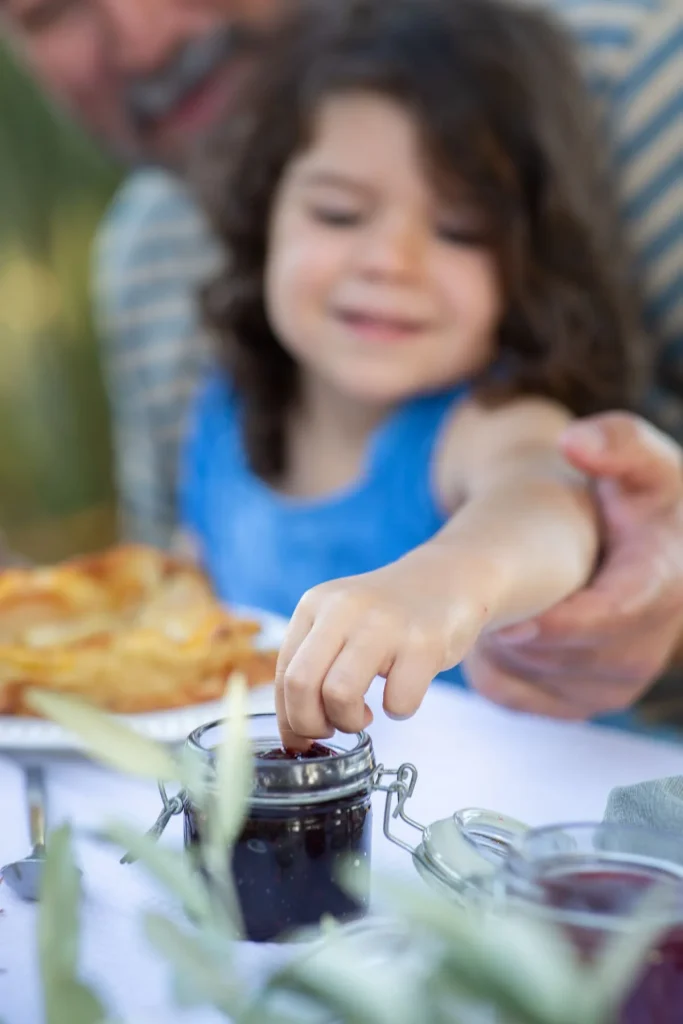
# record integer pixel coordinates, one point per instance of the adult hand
(602, 648)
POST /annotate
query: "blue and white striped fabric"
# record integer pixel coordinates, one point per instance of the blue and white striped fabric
(153, 253)
(633, 54)
(154, 249)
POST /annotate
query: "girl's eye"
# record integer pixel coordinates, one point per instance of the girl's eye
(336, 216)
(462, 234)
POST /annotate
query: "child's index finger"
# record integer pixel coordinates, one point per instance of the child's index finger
(290, 739)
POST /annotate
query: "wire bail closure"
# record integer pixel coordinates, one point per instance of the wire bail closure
(402, 788)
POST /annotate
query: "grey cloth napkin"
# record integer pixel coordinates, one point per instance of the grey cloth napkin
(657, 804)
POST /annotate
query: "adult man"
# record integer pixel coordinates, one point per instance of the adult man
(172, 64)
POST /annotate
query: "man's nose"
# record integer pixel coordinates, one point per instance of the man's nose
(143, 34)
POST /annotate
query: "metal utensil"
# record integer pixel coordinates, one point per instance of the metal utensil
(24, 876)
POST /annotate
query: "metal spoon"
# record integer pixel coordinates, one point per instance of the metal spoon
(24, 876)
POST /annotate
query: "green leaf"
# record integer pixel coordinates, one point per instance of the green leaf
(234, 764)
(228, 802)
(329, 926)
(204, 971)
(71, 1002)
(193, 775)
(172, 868)
(107, 739)
(58, 913)
(285, 1007)
(520, 964)
(67, 1001)
(338, 977)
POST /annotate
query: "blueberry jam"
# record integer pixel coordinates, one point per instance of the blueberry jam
(286, 861)
(316, 751)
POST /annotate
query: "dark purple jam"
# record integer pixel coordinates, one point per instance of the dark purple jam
(657, 994)
(286, 861)
(314, 752)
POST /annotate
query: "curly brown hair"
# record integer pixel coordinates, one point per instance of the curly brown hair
(501, 108)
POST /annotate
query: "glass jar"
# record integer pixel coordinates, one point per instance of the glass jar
(588, 879)
(306, 818)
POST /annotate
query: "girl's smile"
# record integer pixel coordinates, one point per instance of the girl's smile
(373, 283)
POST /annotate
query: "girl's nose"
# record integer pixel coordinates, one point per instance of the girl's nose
(391, 250)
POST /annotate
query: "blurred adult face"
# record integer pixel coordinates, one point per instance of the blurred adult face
(148, 77)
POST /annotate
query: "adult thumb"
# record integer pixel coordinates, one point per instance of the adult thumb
(628, 450)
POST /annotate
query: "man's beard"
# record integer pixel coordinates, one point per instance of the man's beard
(151, 98)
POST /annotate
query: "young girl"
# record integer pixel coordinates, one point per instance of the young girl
(419, 293)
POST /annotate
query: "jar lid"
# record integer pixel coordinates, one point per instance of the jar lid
(463, 850)
(294, 782)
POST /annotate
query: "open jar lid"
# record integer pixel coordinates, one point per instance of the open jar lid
(454, 854)
(292, 782)
(466, 848)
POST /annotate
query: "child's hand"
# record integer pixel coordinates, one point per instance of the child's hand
(399, 622)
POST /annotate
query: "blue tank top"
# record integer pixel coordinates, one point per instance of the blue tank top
(265, 550)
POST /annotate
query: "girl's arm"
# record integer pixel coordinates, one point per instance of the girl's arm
(523, 535)
(526, 534)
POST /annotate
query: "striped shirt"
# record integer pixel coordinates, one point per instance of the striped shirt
(153, 253)
(154, 250)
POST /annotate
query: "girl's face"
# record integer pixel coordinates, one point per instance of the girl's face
(374, 286)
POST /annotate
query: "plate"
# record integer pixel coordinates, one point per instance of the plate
(173, 726)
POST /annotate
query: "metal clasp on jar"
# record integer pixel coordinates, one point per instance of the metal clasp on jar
(457, 854)
(402, 787)
(172, 805)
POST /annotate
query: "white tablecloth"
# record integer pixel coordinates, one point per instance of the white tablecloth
(467, 752)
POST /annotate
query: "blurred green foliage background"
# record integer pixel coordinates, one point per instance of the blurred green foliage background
(56, 493)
